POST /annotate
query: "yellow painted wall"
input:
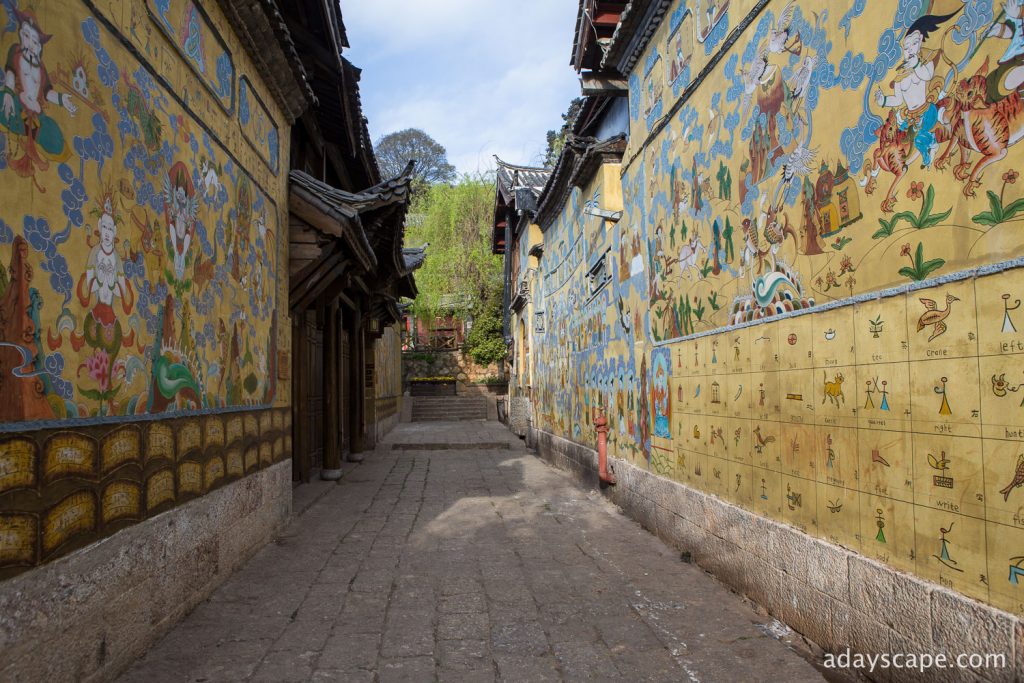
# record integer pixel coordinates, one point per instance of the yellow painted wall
(796, 322)
(142, 189)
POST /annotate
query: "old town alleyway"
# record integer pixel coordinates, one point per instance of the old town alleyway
(453, 553)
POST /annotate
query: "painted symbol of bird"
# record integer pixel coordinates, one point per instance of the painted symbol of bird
(761, 441)
(934, 316)
(799, 162)
(1018, 478)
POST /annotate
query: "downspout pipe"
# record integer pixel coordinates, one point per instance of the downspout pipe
(601, 425)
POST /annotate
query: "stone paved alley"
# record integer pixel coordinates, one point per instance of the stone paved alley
(453, 553)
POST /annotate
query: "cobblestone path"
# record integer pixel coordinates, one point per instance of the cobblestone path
(463, 563)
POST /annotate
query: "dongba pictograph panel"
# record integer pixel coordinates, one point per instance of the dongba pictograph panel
(814, 308)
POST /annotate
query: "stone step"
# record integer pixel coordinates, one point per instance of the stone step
(440, 414)
(447, 418)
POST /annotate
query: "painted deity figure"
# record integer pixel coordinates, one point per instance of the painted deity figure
(1009, 75)
(181, 208)
(105, 280)
(26, 92)
(104, 275)
(916, 88)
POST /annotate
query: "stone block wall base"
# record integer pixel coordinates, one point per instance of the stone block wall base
(91, 614)
(520, 412)
(835, 597)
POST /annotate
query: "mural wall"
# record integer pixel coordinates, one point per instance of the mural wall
(139, 215)
(814, 285)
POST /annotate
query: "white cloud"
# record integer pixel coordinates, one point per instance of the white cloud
(482, 77)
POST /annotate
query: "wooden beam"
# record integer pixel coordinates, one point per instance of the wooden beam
(600, 84)
(301, 297)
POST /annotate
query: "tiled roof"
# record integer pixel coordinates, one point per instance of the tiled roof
(580, 159)
(512, 178)
(637, 25)
(269, 43)
(414, 257)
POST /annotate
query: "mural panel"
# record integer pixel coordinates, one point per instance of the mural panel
(140, 259)
(258, 125)
(815, 286)
(188, 28)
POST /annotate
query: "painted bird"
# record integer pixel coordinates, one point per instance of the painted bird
(761, 441)
(935, 317)
(1018, 478)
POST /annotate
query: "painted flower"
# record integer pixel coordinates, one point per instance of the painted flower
(1010, 177)
(98, 367)
(905, 249)
(916, 190)
(846, 265)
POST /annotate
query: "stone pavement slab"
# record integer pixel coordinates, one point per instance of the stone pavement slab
(468, 564)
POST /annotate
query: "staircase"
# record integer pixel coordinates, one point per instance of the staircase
(435, 408)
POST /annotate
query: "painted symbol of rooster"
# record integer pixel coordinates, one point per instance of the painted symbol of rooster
(1018, 478)
(761, 441)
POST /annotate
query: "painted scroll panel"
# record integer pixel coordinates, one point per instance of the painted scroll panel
(258, 125)
(186, 25)
(141, 258)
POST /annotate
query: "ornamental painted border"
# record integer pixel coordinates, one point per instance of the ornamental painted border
(158, 22)
(63, 489)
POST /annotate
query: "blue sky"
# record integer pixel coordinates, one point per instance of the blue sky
(482, 77)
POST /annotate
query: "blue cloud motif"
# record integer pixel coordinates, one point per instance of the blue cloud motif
(634, 97)
(846, 22)
(6, 233)
(12, 25)
(272, 143)
(243, 103)
(717, 34)
(37, 232)
(225, 74)
(73, 197)
(106, 69)
(97, 147)
(135, 269)
(53, 364)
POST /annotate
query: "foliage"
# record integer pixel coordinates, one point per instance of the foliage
(456, 222)
(485, 343)
(999, 213)
(919, 269)
(924, 218)
(394, 151)
(432, 379)
(490, 379)
(556, 138)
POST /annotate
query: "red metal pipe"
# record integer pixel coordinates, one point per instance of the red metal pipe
(601, 425)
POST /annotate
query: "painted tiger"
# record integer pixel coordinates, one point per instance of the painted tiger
(977, 125)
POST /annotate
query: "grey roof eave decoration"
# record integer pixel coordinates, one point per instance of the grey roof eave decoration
(637, 25)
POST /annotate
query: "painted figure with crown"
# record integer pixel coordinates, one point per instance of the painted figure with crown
(26, 94)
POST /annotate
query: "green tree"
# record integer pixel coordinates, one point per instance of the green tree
(556, 138)
(394, 151)
(460, 276)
